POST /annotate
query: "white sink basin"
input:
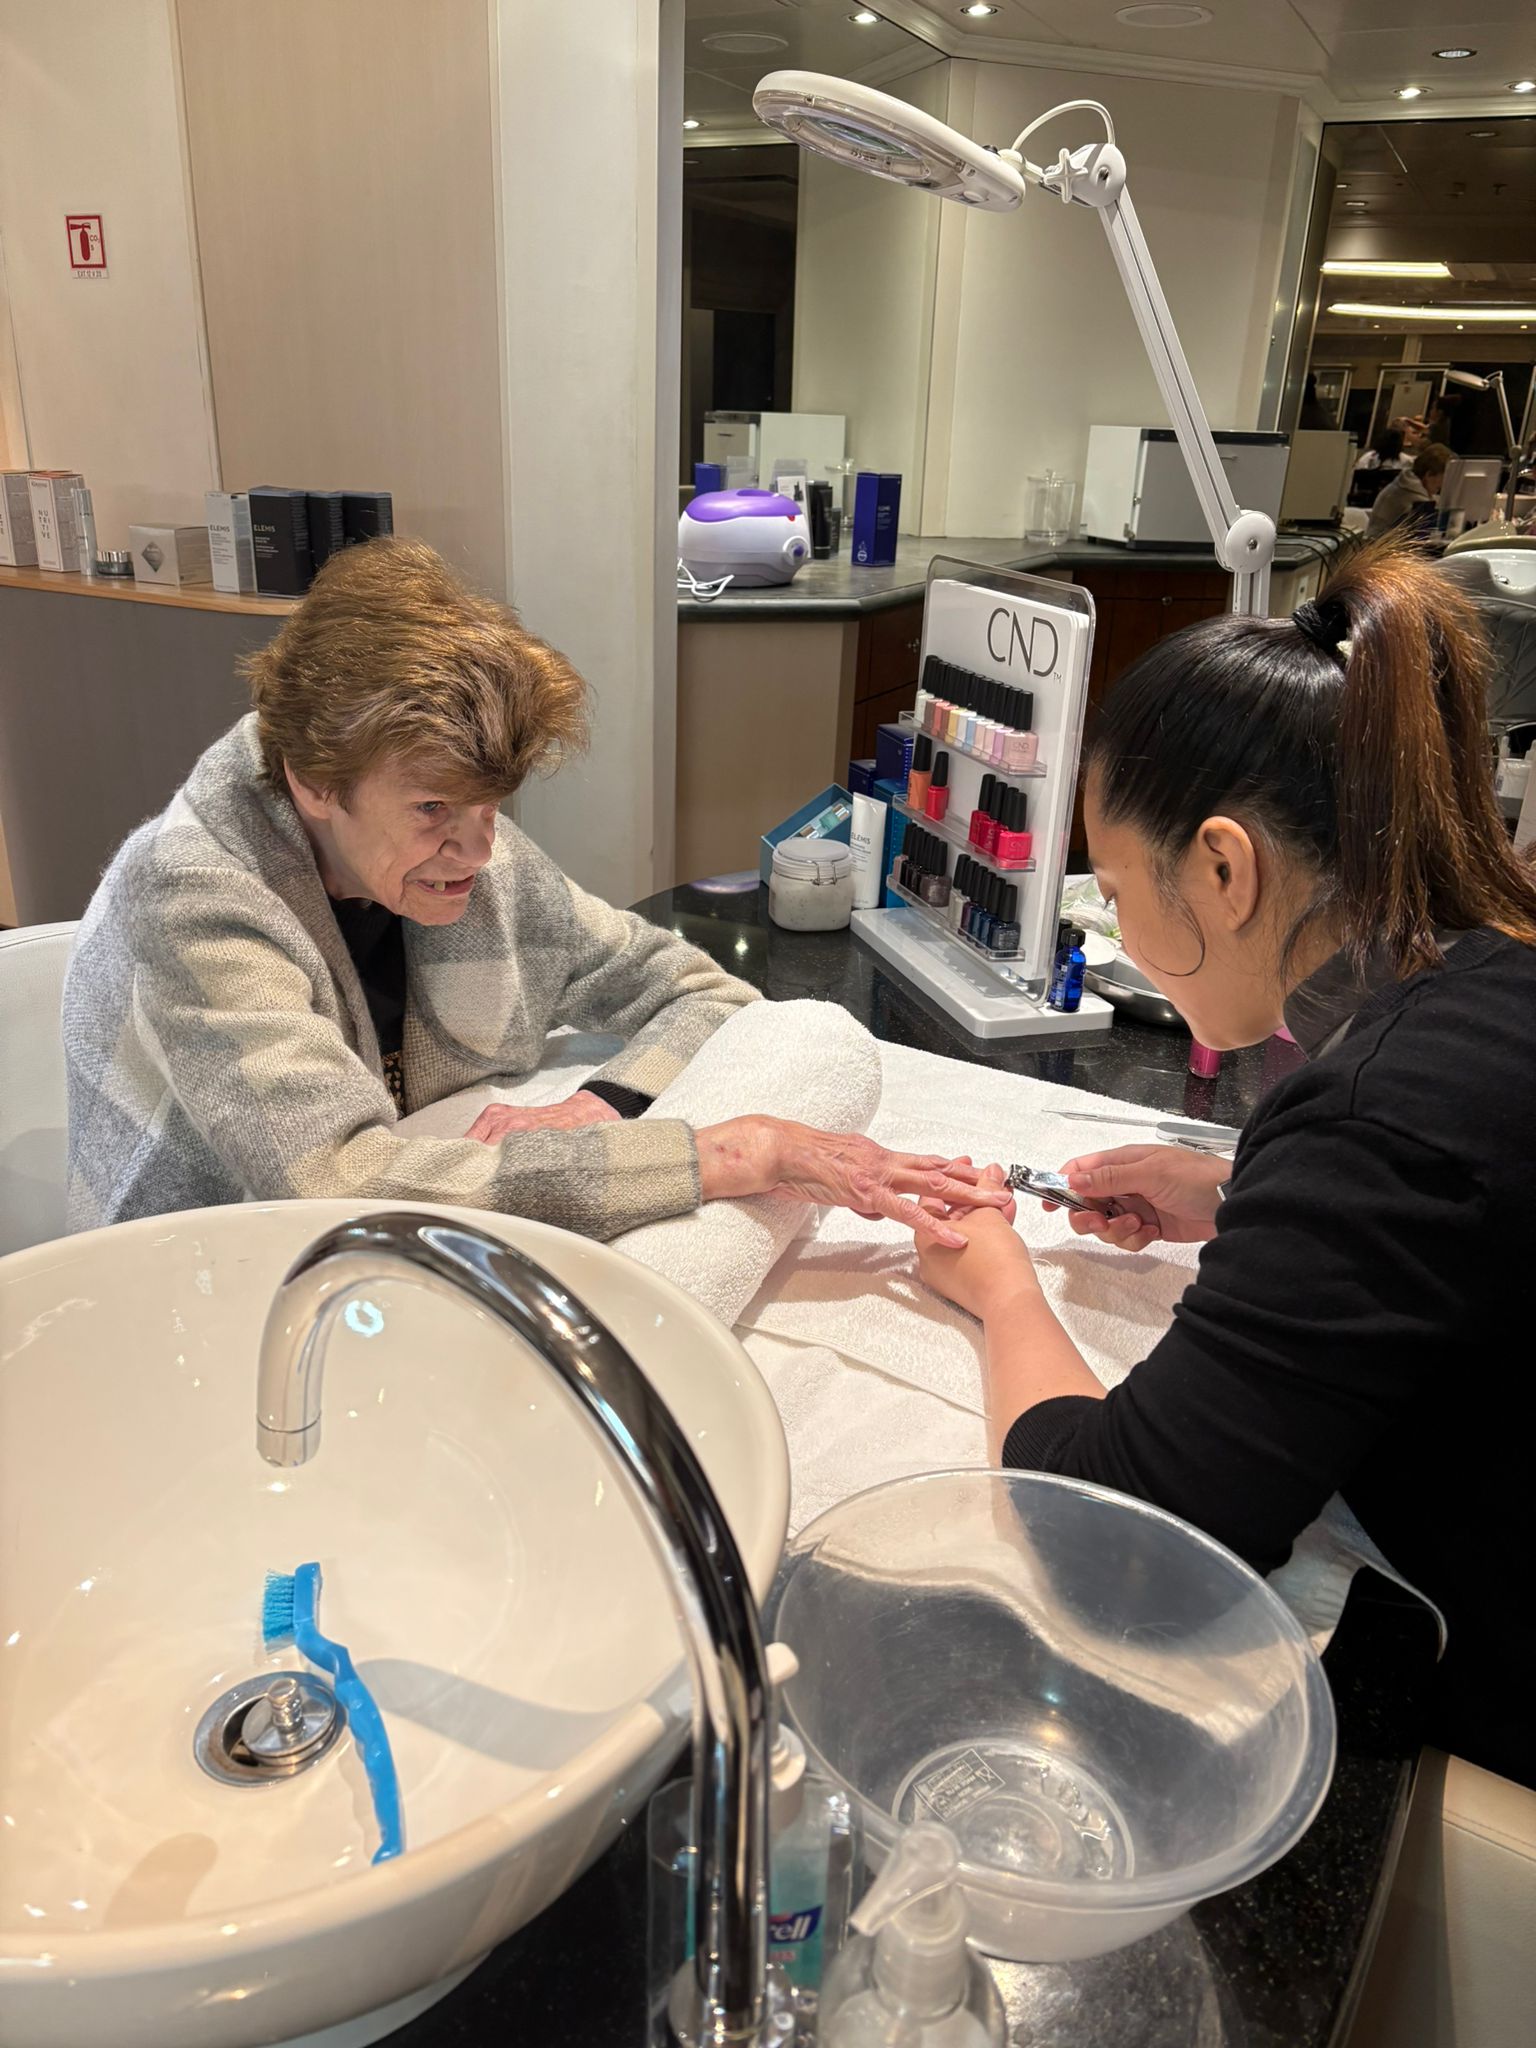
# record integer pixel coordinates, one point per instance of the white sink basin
(481, 1560)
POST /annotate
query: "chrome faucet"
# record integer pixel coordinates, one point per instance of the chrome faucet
(710, 1588)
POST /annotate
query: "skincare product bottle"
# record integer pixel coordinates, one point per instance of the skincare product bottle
(1066, 992)
(922, 765)
(938, 788)
(908, 1979)
(85, 526)
(866, 842)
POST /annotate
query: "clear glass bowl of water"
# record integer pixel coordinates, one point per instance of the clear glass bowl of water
(1115, 1715)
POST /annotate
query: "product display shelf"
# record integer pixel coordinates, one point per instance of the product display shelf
(1002, 964)
(945, 828)
(908, 722)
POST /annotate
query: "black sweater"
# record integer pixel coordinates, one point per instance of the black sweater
(1363, 1323)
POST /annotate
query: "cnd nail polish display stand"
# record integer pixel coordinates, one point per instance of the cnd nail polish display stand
(1003, 687)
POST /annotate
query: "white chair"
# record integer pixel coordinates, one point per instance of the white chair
(32, 1109)
(1455, 1963)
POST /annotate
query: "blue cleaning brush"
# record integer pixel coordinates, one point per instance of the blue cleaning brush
(290, 1610)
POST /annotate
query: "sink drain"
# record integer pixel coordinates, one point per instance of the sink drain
(269, 1727)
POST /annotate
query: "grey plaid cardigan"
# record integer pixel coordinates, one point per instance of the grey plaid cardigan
(219, 1046)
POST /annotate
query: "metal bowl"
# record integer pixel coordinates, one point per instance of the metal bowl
(1146, 1005)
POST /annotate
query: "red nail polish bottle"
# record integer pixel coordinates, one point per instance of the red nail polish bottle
(938, 787)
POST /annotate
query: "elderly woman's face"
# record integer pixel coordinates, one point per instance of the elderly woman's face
(399, 842)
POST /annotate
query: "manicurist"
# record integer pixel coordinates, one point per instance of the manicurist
(1294, 818)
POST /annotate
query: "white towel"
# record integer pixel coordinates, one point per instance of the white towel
(809, 1062)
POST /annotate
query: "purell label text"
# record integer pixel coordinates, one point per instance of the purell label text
(790, 1929)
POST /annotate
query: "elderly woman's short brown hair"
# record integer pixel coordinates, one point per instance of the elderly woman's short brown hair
(392, 658)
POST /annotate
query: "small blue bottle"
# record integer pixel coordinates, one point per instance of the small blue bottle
(1066, 991)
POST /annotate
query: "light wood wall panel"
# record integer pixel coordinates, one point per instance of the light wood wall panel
(343, 179)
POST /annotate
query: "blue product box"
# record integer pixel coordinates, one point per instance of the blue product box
(895, 826)
(893, 753)
(861, 778)
(708, 476)
(828, 816)
(876, 509)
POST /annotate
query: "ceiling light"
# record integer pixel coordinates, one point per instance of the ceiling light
(1162, 14)
(1340, 267)
(1480, 134)
(732, 42)
(864, 18)
(1354, 206)
(1454, 53)
(978, 8)
(1498, 315)
(690, 122)
(1523, 85)
(1410, 92)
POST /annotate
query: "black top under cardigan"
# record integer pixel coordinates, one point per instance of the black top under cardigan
(1364, 1322)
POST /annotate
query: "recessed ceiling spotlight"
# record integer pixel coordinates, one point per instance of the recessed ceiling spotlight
(1454, 53)
(1410, 92)
(690, 122)
(1523, 85)
(742, 42)
(1148, 15)
(977, 9)
(1354, 206)
(865, 17)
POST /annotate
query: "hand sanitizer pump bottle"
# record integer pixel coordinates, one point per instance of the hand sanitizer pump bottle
(908, 1979)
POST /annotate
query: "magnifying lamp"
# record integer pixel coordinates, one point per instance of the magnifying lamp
(870, 131)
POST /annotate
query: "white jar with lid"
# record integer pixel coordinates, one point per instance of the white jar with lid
(811, 887)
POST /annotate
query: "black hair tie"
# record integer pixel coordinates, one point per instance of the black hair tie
(1325, 623)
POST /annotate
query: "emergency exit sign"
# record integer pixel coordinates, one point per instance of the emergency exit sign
(87, 244)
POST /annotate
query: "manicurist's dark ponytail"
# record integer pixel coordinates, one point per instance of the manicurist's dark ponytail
(1351, 736)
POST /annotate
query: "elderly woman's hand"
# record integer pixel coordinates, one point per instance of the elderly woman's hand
(761, 1155)
(501, 1119)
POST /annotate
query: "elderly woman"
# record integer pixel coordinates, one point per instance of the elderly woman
(332, 924)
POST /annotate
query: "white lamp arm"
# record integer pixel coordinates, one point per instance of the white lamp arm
(1244, 541)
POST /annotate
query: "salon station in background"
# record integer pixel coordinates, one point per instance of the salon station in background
(896, 380)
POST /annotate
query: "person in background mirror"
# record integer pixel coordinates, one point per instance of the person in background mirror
(1295, 820)
(1410, 497)
(333, 923)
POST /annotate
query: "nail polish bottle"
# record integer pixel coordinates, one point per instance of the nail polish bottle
(990, 820)
(1005, 936)
(955, 723)
(1022, 745)
(957, 895)
(973, 830)
(981, 924)
(922, 763)
(1014, 844)
(927, 690)
(936, 885)
(992, 736)
(938, 788)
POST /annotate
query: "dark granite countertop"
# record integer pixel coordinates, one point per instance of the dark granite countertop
(836, 589)
(1276, 1964)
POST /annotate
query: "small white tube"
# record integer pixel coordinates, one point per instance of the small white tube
(866, 836)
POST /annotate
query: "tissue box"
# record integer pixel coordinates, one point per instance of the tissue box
(893, 753)
(175, 556)
(830, 814)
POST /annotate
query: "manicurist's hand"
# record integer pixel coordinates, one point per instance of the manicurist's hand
(988, 1273)
(763, 1155)
(503, 1119)
(1162, 1191)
